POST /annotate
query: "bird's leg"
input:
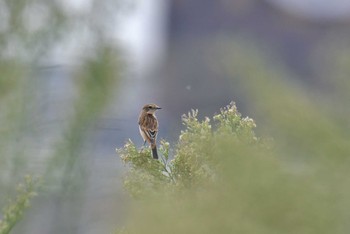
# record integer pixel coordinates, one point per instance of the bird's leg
(143, 146)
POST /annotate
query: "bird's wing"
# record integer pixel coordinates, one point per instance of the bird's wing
(150, 134)
(149, 127)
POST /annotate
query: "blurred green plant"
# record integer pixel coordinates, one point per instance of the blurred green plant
(34, 137)
(95, 82)
(226, 180)
(31, 29)
(13, 211)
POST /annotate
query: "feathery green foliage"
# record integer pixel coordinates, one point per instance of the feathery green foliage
(226, 180)
(13, 212)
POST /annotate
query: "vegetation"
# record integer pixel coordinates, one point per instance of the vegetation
(194, 162)
(58, 73)
(220, 178)
(13, 212)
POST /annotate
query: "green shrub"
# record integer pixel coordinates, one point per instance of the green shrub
(194, 162)
(221, 178)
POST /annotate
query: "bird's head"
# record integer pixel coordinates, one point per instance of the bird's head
(150, 108)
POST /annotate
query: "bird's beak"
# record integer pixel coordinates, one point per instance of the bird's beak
(158, 108)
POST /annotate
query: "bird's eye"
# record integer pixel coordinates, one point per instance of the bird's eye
(150, 107)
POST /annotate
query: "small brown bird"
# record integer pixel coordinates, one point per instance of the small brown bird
(148, 126)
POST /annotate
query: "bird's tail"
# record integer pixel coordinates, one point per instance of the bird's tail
(154, 151)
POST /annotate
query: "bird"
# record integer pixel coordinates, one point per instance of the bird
(148, 126)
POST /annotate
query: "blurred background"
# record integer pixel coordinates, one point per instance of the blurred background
(74, 75)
